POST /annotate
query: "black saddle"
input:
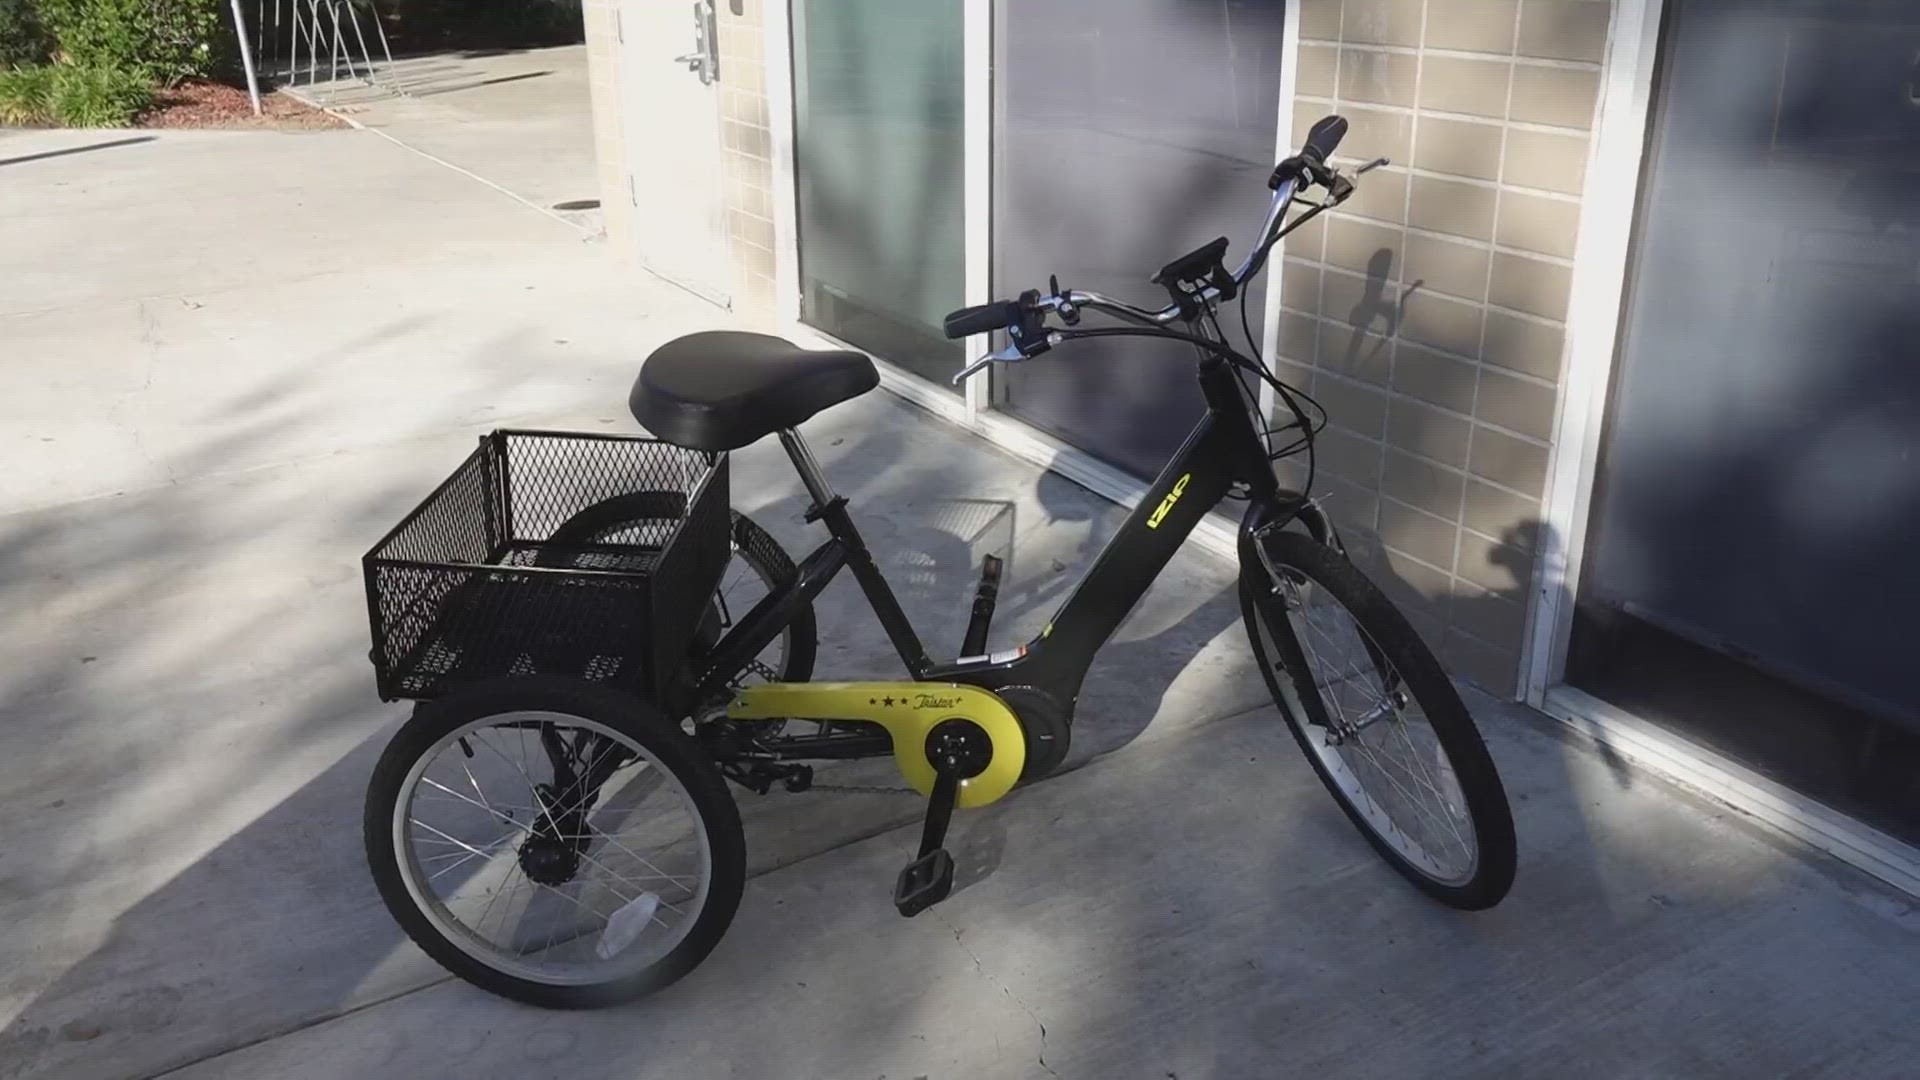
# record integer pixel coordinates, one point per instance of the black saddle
(723, 389)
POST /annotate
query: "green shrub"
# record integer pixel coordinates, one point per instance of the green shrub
(72, 95)
(23, 39)
(26, 96)
(99, 96)
(170, 40)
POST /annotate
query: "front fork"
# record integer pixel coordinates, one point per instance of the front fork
(1275, 513)
(1268, 516)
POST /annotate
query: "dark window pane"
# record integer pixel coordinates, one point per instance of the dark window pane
(1759, 491)
(1127, 132)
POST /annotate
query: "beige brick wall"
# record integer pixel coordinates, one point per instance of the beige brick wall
(609, 118)
(749, 156)
(744, 133)
(1428, 314)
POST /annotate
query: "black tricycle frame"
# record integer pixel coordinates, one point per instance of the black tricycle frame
(1224, 450)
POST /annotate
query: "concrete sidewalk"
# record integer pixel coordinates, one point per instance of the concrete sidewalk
(522, 119)
(210, 425)
(233, 359)
(1198, 908)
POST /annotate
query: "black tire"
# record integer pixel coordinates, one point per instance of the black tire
(1392, 648)
(712, 806)
(763, 554)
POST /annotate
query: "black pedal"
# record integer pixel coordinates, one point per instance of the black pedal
(958, 749)
(985, 596)
(923, 882)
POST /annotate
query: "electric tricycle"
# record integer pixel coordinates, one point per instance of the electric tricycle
(599, 646)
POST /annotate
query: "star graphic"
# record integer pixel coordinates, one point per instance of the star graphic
(889, 701)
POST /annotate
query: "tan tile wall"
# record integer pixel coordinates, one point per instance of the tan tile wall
(749, 156)
(1428, 314)
(744, 133)
(609, 119)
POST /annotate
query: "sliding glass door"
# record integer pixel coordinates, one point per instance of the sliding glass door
(1749, 575)
(878, 156)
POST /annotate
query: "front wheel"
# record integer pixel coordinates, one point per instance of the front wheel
(559, 844)
(1379, 719)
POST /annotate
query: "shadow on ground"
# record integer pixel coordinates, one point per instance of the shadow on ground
(188, 681)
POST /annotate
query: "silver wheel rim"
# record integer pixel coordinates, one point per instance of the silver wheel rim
(461, 822)
(1393, 769)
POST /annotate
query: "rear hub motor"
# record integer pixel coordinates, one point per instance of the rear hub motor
(550, 854)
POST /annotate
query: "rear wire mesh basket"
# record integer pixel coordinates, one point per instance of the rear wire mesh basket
(481, 582)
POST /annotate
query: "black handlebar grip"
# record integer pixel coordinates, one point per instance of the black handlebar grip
(979, 320)
(1324, 139)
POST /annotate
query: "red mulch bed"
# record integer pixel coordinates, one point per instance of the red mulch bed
(202, 104)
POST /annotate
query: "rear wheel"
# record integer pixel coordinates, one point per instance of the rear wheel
(559, 844)
(1379, 719)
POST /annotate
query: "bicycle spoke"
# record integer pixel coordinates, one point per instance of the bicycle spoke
(642, 860)
(1404, 796)
(495, 896)
(531, 832)
(1417, 804)
(491, 850)
(526, 884)
(1417, 775)
(474, 782)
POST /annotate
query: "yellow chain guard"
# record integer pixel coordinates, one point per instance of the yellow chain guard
(908, 710)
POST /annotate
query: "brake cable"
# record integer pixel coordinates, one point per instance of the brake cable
(1288, 394)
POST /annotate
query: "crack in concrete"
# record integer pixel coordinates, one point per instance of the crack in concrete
(1005, 989)
(134, 399)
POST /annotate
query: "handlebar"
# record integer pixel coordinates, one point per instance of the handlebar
(1001, 314)
(1323, 139)
(1023, 318)
(979, 320)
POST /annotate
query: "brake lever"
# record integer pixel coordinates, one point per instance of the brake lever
(1008, 354)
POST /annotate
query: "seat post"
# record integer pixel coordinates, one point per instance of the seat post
(809, 469)
(831, 510)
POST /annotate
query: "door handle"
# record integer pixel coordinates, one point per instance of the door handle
(704, 60)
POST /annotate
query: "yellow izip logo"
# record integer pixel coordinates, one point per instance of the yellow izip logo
(1166, 504)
